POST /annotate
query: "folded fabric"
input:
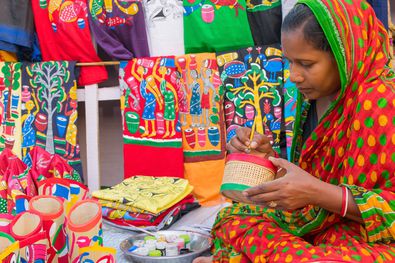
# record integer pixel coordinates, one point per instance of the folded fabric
(153, 194)
(122, 207)
(143, 217)
(164, 221)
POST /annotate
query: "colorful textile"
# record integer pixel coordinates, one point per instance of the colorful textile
(49, 110)
(151, 131)
(64, 34)
(45, 165)
(265, 20)
(119, 28)
(161, 222)
(201, 116)
(16, 25)
(165, 27)
(141, 218)
(253, 80)
(15, 180)
(10, 106)
(7, 56)
(355, 145)
(154, 194)
(215, 25)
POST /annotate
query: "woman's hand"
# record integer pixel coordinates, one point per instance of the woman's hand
(259, 145)
(294, 190)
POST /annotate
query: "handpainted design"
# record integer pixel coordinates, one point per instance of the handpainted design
(150, 102)
(208, 7)
(103, 11)
(160, 10)
(61, 12)
(49, 110)
(10, 106)
(290, 106)
(201, 113)
(253, 82)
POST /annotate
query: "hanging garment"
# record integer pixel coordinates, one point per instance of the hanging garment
(119, 28)
(16, 25)
(165, 27)
(49, 110)
(202, 121)
(265, 19)
(63, 32)
(253, 80)
(215, 25)
(10, 106)
(151, 130)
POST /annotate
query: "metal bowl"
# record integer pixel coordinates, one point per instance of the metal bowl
(200, 244)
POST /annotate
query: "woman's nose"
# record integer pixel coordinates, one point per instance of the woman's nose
(296, 77)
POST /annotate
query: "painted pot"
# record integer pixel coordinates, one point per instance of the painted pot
(201, 137)
(213, 135)
(190, 137)
(41, 122)
(132, 121)
(208, 13)
(61, 125)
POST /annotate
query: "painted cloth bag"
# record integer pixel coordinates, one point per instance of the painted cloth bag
(119, 28)
(165, 27)
(253, 82)
(63, 32)
(202, 122)
(265, 20)
(352, 146)
(49, 110)
(215, 25)
(151, 130)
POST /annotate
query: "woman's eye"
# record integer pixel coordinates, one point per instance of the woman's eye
(306, 64)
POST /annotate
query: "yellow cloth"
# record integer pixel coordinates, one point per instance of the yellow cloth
(154, 194)
(206, 179)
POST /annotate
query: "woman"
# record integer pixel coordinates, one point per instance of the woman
(338, 204)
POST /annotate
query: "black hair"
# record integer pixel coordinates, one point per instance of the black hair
(301, 16)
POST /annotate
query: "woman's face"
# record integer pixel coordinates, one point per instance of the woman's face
(314, 71)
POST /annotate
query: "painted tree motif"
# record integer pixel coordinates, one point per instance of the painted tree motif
(248, 94)
(48, 78)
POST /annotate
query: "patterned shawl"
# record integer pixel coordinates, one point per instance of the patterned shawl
(354, 143)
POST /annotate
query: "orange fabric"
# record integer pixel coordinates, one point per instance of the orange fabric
(203, 176)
